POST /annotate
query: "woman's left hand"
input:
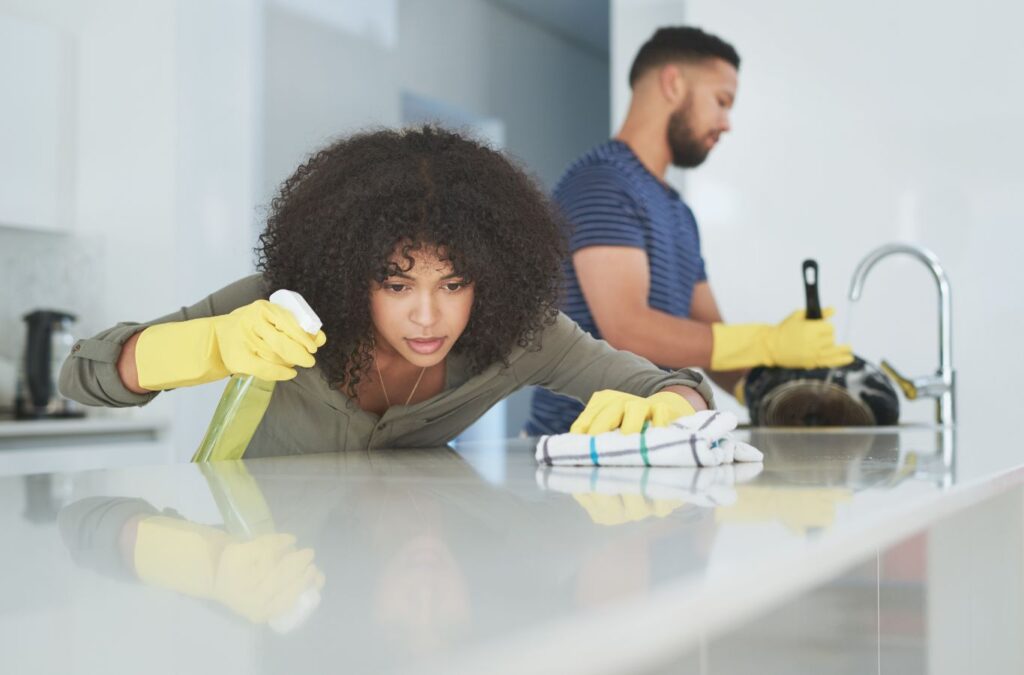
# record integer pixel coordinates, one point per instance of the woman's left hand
(609, 409)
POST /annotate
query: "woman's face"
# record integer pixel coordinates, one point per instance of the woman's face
(420, 313)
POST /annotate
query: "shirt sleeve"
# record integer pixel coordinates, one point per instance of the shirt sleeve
(92, 528)
(89, 374)
(600, 210)
(569, 361)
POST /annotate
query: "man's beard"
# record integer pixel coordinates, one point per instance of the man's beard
(688, 151)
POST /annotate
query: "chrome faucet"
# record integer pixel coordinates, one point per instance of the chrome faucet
(941, 385)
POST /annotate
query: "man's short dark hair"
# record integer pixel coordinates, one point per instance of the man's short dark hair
(680, 43)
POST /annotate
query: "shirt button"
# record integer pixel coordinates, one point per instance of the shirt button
(382, 425)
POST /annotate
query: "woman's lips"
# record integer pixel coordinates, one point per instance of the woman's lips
(425, 346)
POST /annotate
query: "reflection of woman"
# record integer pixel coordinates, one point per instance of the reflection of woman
(434, 263)
(419, 554)
(415, 568)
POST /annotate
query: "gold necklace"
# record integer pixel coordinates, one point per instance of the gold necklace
(384, 389)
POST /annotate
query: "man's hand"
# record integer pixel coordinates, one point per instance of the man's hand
(797, 342)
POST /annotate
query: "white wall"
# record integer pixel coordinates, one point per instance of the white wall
(551, 94)
(324, 79)
(36, 125)
(859, 124)
(471, 54)
(166, 117)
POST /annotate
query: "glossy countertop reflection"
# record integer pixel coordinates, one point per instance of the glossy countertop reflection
(475, 560)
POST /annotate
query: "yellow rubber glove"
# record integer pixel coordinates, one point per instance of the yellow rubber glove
(795, 343)
(609, 409)
(258, 579)
(263, 578)
(739, 391)
(260, 339)
(618, 509)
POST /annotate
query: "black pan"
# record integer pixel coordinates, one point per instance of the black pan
(857, 394)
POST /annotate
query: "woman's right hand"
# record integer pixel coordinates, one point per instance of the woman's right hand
(608, 410)
(259, 339)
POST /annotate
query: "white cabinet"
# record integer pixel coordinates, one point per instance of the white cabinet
(36, 126)
(46, 446)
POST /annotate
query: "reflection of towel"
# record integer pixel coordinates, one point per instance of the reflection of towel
(709, 487)
(697, 440)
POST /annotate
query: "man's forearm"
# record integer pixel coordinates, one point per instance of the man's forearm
(672, 342)
(666, 340)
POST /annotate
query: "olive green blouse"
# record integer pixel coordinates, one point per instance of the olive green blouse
(307, 416)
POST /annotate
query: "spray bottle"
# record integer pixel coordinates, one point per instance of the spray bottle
(245, 398)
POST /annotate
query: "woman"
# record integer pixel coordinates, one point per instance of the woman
(434, 263)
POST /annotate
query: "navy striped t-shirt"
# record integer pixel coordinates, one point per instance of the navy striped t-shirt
(610, 199)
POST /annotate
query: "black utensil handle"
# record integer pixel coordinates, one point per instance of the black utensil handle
(811, 289)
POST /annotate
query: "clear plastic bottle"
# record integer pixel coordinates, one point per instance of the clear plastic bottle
(245, 398)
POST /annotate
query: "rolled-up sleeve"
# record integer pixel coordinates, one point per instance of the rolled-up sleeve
(571, 362)
(89, 374)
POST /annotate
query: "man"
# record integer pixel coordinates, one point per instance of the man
(636, 276)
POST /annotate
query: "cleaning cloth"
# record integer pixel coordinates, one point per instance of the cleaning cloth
(698, 440)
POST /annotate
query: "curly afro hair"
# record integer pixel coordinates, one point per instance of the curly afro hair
(340, 218)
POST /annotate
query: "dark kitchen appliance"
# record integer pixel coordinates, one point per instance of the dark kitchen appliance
(48, 341)
(857, 394)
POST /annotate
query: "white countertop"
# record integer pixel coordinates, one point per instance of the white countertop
(467, 563)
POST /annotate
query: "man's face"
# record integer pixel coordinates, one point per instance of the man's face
(422, 311)
(703, 115)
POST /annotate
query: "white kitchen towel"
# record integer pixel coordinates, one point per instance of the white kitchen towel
(698, 440)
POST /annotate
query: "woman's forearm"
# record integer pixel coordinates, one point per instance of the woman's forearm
(691, 395)
(126, 366)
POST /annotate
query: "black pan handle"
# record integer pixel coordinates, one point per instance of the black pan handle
(811, 289)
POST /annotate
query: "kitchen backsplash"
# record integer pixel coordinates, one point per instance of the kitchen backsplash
(45, 271)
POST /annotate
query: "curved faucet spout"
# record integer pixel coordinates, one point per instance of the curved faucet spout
(943, 382)
(919, 252)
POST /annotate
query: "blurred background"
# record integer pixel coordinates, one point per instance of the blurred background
(140, 143)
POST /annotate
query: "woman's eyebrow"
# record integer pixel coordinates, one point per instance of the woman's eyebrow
(400, 274)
